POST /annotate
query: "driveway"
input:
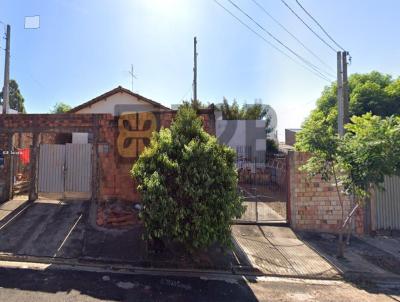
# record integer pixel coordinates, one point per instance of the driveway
(276, 250)
(45, 228)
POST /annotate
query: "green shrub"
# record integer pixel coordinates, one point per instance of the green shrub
(188, 185)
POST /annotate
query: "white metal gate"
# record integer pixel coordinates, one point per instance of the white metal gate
(65, 170)
(388, 205)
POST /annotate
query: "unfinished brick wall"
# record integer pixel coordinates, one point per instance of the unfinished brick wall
(314, 203)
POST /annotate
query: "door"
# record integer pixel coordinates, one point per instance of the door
(78, 170)
(51, 169)
(65, 171)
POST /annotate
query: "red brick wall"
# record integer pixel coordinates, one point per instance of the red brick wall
(314, 203)
(114, 171)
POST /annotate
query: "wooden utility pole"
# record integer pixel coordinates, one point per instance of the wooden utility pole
(343, 91)
(340, 94)
(6, 92)
(345, 88)
(195, 71)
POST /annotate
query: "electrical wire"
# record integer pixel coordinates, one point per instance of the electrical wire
(320, 26)
(269, 43)
(308, 26)
(292, 35)
(308, 63)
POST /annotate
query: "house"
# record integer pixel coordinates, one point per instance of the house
(290, 136)
(115, 102)
(118, 101)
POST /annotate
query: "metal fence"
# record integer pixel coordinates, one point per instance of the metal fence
(263, 183)
(388, 205)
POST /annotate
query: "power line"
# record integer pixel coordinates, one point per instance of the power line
(292, 35)
(320, 26)
(269, 43)
(316, 68)
(308, 26)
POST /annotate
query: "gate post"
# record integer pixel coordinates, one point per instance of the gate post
(33, 160)
(289, 166)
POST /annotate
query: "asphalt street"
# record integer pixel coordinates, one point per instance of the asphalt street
(65, 285)
(24, 284)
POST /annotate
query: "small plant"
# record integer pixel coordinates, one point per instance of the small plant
(188, 185)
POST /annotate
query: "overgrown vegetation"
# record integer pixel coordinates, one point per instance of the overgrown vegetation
(372, 92)
(60, 108)
(245, 112)
(188, 185)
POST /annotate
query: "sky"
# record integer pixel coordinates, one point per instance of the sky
(84, 48)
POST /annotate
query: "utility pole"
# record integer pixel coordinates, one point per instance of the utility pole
(340, 94)
(343, 91)
(195, 71)
(6, 92)
(346, 100)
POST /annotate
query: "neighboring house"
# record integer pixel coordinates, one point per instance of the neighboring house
(118, 101)
(10, 111)
(115, 102)
(290, 136)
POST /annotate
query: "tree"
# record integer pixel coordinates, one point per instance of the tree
(61, 108)
(16, 99)
(356, 162)
(188, 185)
(245, 112)
(372, 92)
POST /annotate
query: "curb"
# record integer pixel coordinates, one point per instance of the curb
(31, 262)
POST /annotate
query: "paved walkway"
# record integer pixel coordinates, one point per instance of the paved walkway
(365, 257)
(276, 250)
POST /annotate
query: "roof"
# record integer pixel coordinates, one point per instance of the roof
(112, 92)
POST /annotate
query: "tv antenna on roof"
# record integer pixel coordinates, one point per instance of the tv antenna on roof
(133, 76)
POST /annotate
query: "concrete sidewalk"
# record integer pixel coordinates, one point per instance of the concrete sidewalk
(372, 259)
(276, 250)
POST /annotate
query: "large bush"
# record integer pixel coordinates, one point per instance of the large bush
(188, 185)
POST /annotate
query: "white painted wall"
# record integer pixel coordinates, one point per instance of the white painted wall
(121, 98)
(80, 138)
(10, 111)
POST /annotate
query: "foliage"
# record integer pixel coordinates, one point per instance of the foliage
(372, 92)
(369, 151)
(356, 162)
(272, 146)
(61, 108)
(16, 99)
(188, 185)
(245, 112)
(195, 104)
